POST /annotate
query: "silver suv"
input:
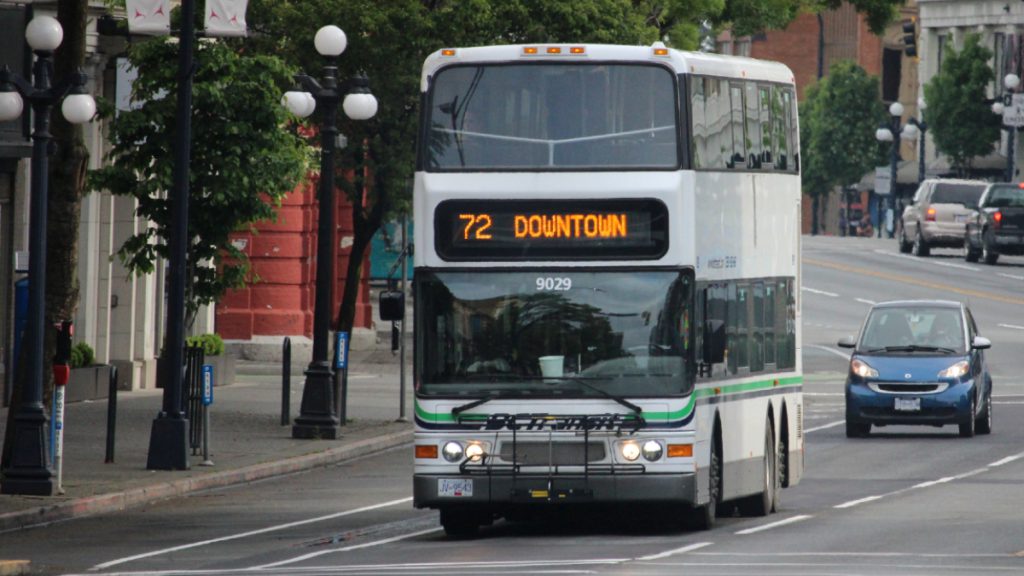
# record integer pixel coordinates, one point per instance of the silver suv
(938, 214)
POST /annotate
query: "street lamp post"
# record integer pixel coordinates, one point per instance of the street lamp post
(27, 471)
(893, 132)
(1004, 109)
(316, 417)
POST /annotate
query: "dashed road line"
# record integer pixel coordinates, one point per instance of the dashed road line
(1011, 326)
(673, 552)
(764, 527)
(820, 292)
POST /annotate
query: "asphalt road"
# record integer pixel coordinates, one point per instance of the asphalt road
(906, 500)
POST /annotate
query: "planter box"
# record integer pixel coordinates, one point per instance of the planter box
(223, 369)
(88, 383)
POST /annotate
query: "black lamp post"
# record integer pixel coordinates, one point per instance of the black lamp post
(28, 471)
(891, 133)
(317, 418)
(1011, 82)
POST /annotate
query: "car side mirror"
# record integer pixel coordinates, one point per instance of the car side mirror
(981, 343)
(714, 341)
(847, 342)
(392, 305)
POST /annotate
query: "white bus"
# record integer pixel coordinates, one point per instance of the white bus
(607, 305)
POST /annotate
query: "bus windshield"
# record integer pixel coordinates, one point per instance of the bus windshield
(554, 333)
(552, 116)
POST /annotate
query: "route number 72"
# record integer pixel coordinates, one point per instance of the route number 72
(477, 225)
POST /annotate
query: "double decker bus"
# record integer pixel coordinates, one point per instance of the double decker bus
(607, 305)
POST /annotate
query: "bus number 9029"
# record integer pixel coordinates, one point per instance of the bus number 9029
(554, 284)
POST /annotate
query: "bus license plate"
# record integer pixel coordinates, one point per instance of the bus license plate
(908, 404)
(455, 487)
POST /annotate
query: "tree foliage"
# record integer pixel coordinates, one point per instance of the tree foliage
(243, 159)
(958, 114)
(838, 120)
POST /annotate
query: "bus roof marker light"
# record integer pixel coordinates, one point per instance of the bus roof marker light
(529, 50)
(577, 50)
(448, 52)
(554, 50)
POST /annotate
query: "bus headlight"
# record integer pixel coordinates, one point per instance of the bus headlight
(652, 450)
(630, 451)
(452, 451)
(475, 451)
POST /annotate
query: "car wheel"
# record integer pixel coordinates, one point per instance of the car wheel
(703, 517)
(967, 428)
(988, 253)
(970, 254)
(858, 429)
(920, 246)
(904, 244)
(984, 424)
(763, 503)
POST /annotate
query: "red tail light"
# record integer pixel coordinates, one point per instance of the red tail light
(997, 217)
(930, 215)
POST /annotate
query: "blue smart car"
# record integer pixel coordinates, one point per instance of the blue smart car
(918, 362)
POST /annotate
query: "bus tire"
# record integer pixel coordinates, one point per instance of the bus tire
(703, 517)
(459, 523)
(763, 503)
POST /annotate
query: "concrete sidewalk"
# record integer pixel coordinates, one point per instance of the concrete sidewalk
(247, 441)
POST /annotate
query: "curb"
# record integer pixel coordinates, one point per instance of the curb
(119, 501)
(14, 567)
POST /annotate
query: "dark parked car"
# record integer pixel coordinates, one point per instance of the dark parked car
(997, 224)
(918, 362)
(936, 216)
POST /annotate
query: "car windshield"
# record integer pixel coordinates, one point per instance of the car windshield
(1006, 197)
(914, 329)
(544, 332)
(545, 116)
(966, 194)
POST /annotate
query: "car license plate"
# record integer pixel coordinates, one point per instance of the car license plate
(455, 487)
(960, 218)
(908, 404)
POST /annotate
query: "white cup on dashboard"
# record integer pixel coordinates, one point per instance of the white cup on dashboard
(551, 366)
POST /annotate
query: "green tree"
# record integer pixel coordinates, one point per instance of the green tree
(838, 120)
(243, 160)
(958, 115)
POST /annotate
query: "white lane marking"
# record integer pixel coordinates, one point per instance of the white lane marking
(1011, 326)
(929, 261)
(853, 503)
(821, 292)
(832, 425)
(843, 355)
(250, 533)
(1006, 460)
(348, 548)
(865, 301)
(934, 482)
(668, 553)
(774, 524)
(833, 394)
(1011, 276)
(450, 565)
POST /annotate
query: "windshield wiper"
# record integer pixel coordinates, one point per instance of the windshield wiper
(470, 405)
(582, 380)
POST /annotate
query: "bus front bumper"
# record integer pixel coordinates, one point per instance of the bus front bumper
(438, 491)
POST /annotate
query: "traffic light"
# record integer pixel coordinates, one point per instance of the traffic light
(910, 38)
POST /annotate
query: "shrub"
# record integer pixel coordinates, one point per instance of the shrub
(213, 344)
(82, 355)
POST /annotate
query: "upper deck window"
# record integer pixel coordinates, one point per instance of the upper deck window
(551, 116)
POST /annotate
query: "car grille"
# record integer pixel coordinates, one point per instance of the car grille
(553, 453)
(909, 387)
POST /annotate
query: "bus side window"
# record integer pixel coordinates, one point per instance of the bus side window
(739, 150)
(767, 131)
(790, 109)
(698, 123)
(753, 126)
(757, 329)
(713, 336)
(717, 112)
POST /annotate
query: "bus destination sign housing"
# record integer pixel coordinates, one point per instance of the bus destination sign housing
(615, 229)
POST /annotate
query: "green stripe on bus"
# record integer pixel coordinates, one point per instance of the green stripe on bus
(710, 391)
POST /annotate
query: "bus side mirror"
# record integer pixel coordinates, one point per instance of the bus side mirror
(392, 305)
(714, 342)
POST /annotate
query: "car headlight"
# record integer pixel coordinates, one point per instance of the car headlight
(475, 451)
(652, 450)
(452, 451)
(956, 370)
(630, 451)
(861, 368)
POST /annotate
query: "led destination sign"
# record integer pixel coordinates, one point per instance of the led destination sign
(551, 229)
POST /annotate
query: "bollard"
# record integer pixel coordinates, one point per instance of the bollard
(111, 415)
(286, 381)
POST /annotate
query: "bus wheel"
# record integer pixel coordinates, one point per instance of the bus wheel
(703, 517)
(459, 523)
(762, 504)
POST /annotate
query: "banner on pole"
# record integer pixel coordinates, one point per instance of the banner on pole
(225, 17)
(150, 17)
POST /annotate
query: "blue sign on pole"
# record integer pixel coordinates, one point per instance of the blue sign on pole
(341, 351)
(207, 384)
